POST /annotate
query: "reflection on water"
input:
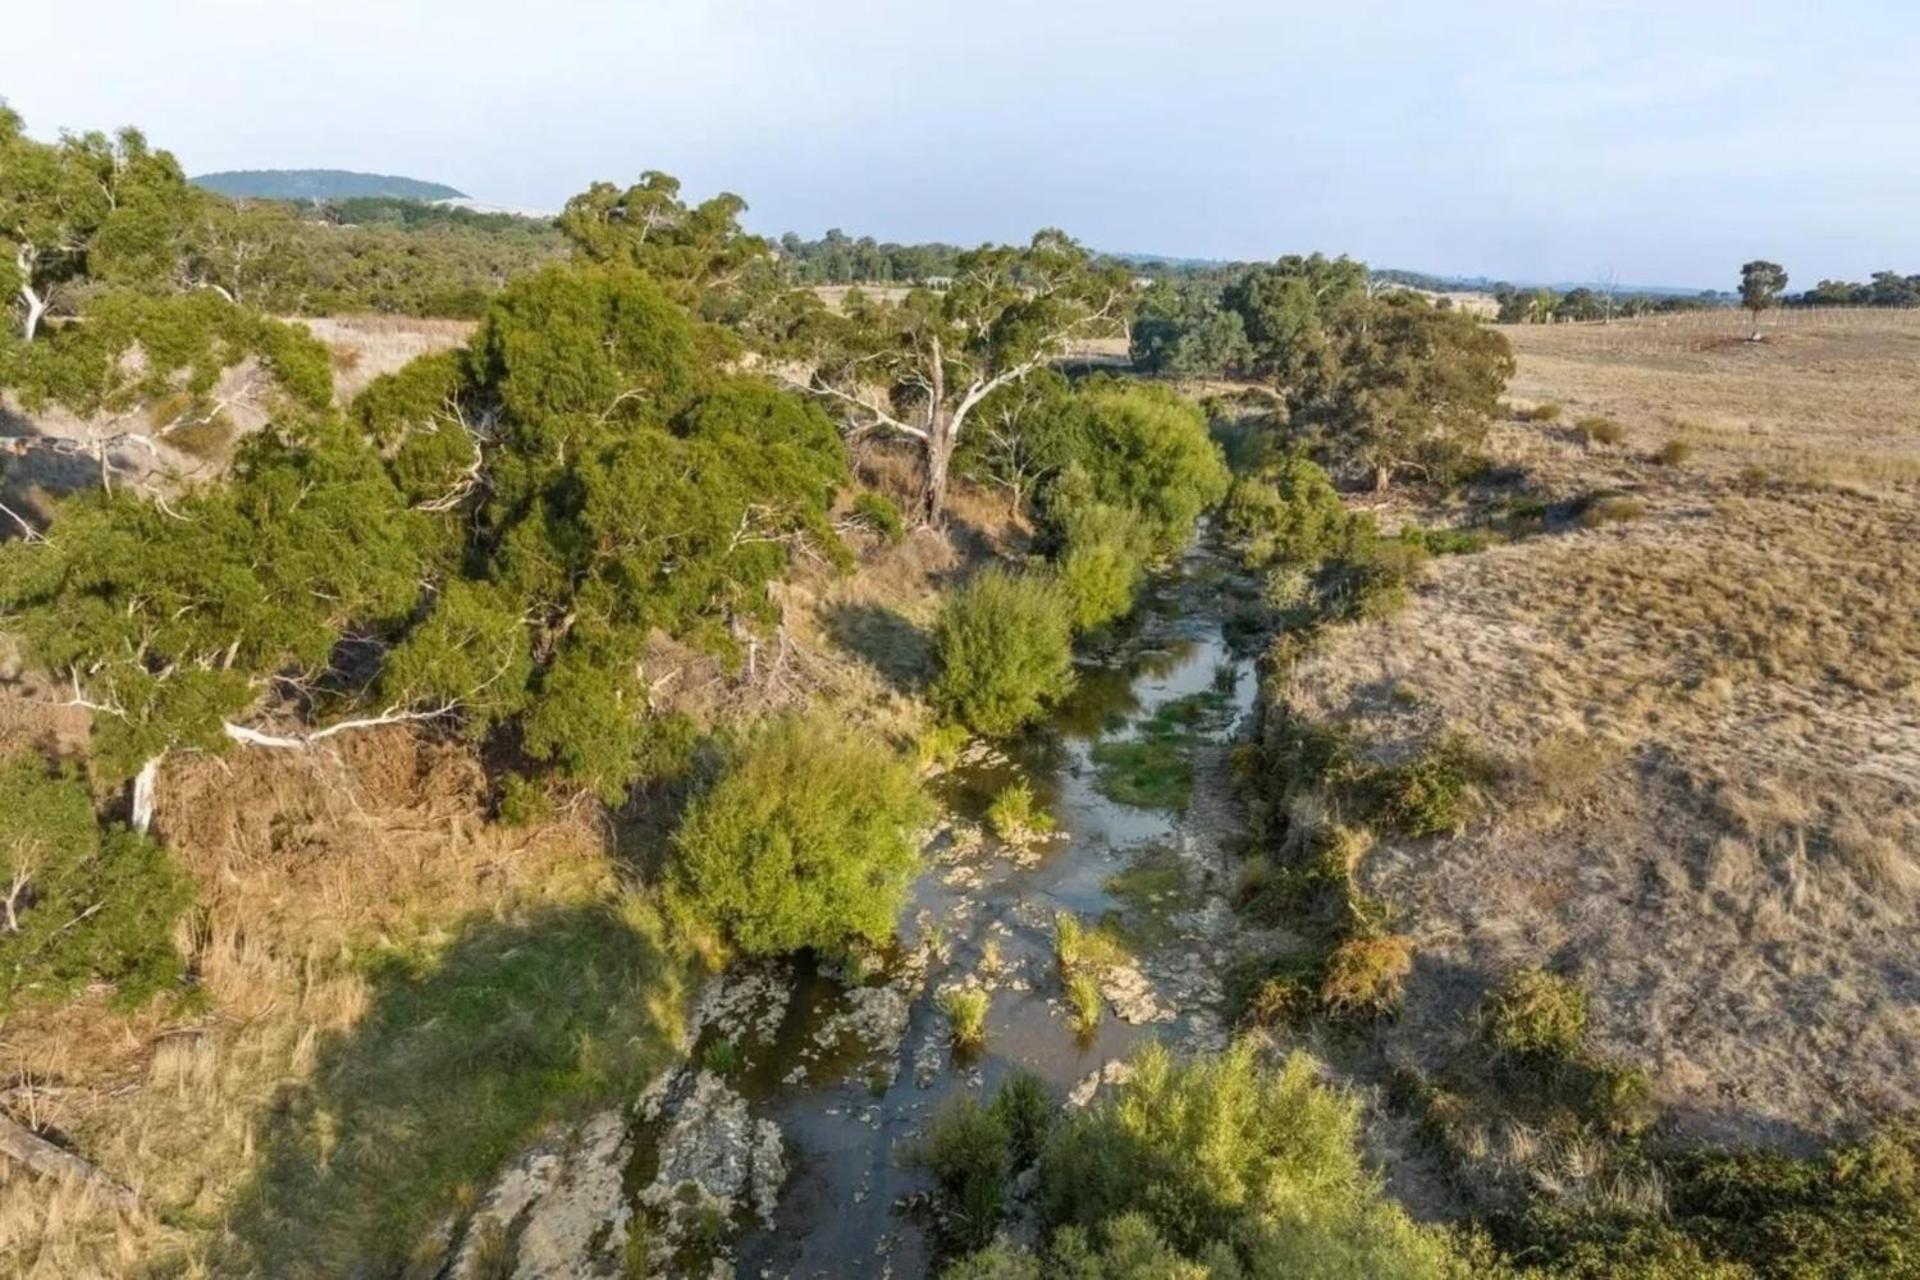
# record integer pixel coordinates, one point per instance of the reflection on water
(849, 1121)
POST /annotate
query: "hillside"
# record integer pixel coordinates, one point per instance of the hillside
(1690, 669)
(322, 184)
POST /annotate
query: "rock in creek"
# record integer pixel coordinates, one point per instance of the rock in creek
(556, 1211)
(711, 1150)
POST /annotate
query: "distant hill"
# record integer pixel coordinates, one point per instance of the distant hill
(322, 184)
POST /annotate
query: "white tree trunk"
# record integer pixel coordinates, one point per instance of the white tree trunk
(143, 788)
(36, 308)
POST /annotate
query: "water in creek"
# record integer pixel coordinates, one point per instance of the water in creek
(850, 1102)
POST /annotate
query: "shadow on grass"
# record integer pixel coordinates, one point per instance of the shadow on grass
(461, 1060)
(900, 651)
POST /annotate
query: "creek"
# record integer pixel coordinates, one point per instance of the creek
(852, 1071)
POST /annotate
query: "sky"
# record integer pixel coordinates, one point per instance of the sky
(1650, 141)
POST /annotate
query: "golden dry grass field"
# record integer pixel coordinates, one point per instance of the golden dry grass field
(1705, 714)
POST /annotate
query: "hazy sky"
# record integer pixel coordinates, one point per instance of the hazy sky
(1668, 140)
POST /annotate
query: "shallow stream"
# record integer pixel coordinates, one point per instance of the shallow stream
(853, 1072)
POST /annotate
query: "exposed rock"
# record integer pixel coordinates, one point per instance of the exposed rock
(712, 1159)
(1131, 994)
(745, 1003)
(710, 1141)
(1116, 1071)
(877, 1015)
(556, 1211)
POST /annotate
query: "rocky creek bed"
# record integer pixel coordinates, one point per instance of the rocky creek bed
(783, 1146)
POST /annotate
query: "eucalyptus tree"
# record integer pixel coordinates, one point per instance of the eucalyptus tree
(1410, 388)
(692, 250)
(1761, 284)
(86, 209)
(1287, 311)
(922, 367)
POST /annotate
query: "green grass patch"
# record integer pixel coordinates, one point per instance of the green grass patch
(1154, 889)
(465, 1056)
(1155, 769)
(1153, 773)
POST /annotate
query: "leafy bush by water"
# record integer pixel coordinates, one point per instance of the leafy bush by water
(806, 840)
(1237, 1165)
(1005, 650)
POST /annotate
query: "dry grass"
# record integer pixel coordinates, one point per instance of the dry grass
(1709, 717)
(366, 346)
(304, 862)
(1830, 396)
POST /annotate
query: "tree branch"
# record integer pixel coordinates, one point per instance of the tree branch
(299, 742)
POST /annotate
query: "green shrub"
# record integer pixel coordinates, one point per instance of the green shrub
(1145, 448)
(1373, 578)
(1012, 814)
(1731, 1215)
(806, 840)
(1101, 562)
(1547, 412)
(966, 1010)
(522, 802)
(882, 514)
(1236, 1163)
(1673, 453)
(1005, 651)
(1435, 793)
(81, 903)
(1536, 1015)
(1027, 1111)
(970, 1154)
(1084, 1003)
(1599, 430)
(1287, 514)
(1366, 977)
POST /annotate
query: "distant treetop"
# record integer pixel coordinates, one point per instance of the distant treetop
(321, 184)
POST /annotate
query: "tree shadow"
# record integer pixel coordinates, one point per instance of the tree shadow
(463, 1057)
(32, 479)
(900, 651)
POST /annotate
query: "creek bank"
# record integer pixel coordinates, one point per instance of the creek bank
(785, 1146)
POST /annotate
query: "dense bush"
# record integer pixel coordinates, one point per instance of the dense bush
(806, 840)
(1535, 1014)
(1747, 1215)
(79, 903)
(880, 513)
(969, 1152)
(626, 483)
(1227, 1159)
(1145, 448)
(1102, 559)
(1366, 976)
(1005, 650)
(176, 620)
(1433, 793)
(1287, 513)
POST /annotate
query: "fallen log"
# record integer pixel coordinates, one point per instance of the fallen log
(23, 1146)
